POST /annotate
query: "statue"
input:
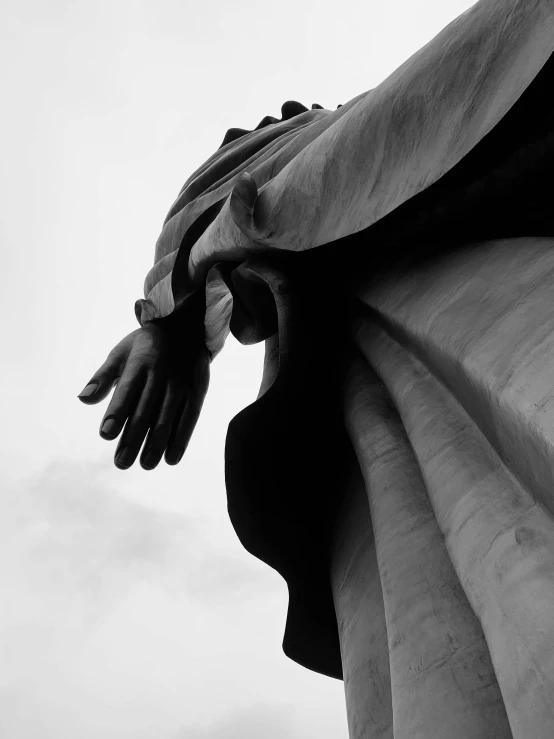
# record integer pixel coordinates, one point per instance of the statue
(396, 256)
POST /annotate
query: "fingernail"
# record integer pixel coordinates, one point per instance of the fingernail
(175, 454)
(110, 428)
(90, 389)
(150, 459)
(124, 458)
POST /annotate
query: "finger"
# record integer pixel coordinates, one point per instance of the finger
(100, 384)
(139, 422)
(186, 424)
(156, 443)
(126, 395)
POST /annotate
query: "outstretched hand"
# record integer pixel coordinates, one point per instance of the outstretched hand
(160, 384)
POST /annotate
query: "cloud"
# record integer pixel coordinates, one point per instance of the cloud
(70, 534)
(72, 548)
(76, 558)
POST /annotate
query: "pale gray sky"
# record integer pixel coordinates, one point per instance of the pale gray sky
(130, 610)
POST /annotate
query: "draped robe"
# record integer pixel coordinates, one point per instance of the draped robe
(397, 468)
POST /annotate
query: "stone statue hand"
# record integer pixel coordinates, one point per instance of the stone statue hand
(160, 384)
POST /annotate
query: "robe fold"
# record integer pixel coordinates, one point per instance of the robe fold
(322, 175)
(413, 347)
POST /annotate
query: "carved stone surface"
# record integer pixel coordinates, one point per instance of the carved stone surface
(454, 436)
(361, 618)
(397, 467)
(323, 175)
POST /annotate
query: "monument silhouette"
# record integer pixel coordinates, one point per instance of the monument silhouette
(396, 255)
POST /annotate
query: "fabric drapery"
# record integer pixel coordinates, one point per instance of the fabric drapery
(320, 176)
(434, 603)
(450, 411)
(413, 347)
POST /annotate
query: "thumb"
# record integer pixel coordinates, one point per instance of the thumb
(105, 377)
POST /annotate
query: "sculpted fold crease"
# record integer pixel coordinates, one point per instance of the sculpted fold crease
(397, 468)
(324, 175)
(442, 679)
(486, 516)
(481, 322)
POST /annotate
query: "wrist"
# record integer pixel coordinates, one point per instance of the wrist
(187, 321)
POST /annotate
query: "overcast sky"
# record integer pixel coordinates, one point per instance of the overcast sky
(129, 609)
